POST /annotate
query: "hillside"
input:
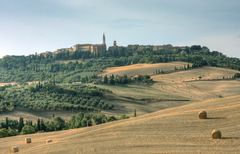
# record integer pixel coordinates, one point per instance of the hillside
(143, 69)
(214, 82)
(175, 130)
(174, 89)
(168, 90)
(173, 85)
(145, 86)
(206, 73)
(84, 66)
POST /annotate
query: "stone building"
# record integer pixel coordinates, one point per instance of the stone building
(97, 49)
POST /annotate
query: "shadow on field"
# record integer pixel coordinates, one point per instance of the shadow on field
(216, 118)
(228, 138)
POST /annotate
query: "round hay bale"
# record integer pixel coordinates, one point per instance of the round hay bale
(14, 149)
(202, 115)
(216, 134)
(28, 140)
(48, 141)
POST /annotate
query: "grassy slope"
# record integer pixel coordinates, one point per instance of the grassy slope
(179, 83)
(175, 130)
(176, 87)
(34, 115)
(207, 73)
(143, 69)
(150, 98)
(143, 98)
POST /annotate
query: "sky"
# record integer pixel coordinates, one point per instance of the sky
(30, 26)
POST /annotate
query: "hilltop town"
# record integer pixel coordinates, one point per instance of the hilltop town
(102, 49)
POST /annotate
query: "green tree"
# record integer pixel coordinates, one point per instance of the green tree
(20, 124)
(50, 126)
(29, 122)
(38, 125)
(135, 113)
(42, 125)
(12, 132)
(124, 116)
(111, 80)
(75, 121)
(125, 79)
(105, 79)
(236, 76)
(84, 122)
(111, 118)
(59, 123)
(6, 122)
(3, 132)
(99, 119)
(28, 130)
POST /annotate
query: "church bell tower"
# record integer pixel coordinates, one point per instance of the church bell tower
(104, 39)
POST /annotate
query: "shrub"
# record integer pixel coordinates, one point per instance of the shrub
(111, 118)
(124, 116)
(237, 76)
(12, 132)
(3, 132)
(28, 130)
(59, 123)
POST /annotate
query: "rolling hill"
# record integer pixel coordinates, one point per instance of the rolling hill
(168, 90)
(206, 73)
(143, 69)
(93, 88)
(175, 130)
(174, 89)
(172, 127)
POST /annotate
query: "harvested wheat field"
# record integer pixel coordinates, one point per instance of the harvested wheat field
(175, 130)
(187, 83)
(143, 69)
(206, 73)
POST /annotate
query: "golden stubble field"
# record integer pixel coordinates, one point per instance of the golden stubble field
(174, 89)
(187, 83)
(171, 130)
(143, 69)
(175, 130)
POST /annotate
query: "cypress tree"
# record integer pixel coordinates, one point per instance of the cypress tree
(7, 123)
(112, 81)
(29, 122)
(105, 79)
(135, 113)
(38, 125)
(42, 125)
(20, 124)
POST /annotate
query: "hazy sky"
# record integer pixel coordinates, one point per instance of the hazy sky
(29, 26)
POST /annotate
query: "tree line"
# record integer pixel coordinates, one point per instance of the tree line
(10, 127)
(48, 96)
(124, 79)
